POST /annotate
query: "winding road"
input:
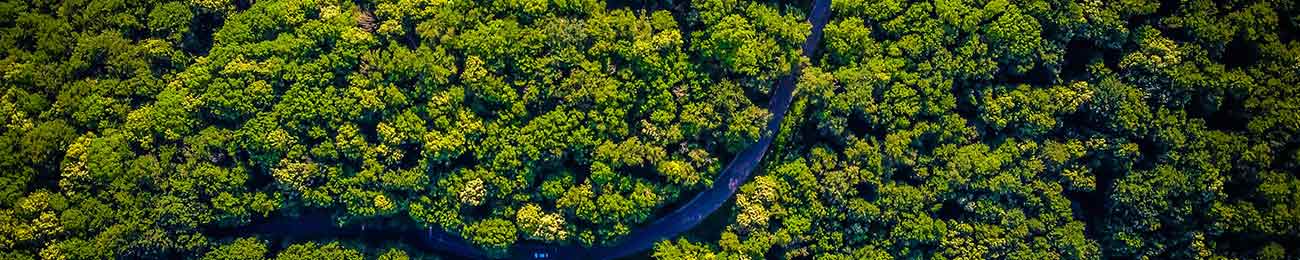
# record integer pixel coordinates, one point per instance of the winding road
(666, 227)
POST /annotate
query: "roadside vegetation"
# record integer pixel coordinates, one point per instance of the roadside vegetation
(946, 129)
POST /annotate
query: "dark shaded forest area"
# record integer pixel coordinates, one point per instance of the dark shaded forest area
(941, 129)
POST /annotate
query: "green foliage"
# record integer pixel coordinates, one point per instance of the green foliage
(239, 249)
(1031, 130)
(496, 234)
(682, 249)
(752, 40)
(1017, 37)
(312, 250)
(535, 224)
(948, 129)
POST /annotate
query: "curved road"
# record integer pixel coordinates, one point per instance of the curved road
(667, 227)
(736, 173)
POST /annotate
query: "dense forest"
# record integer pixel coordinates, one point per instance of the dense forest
(940, 129)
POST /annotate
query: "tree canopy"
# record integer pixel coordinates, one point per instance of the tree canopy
(1032, 130)
(949, 129)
